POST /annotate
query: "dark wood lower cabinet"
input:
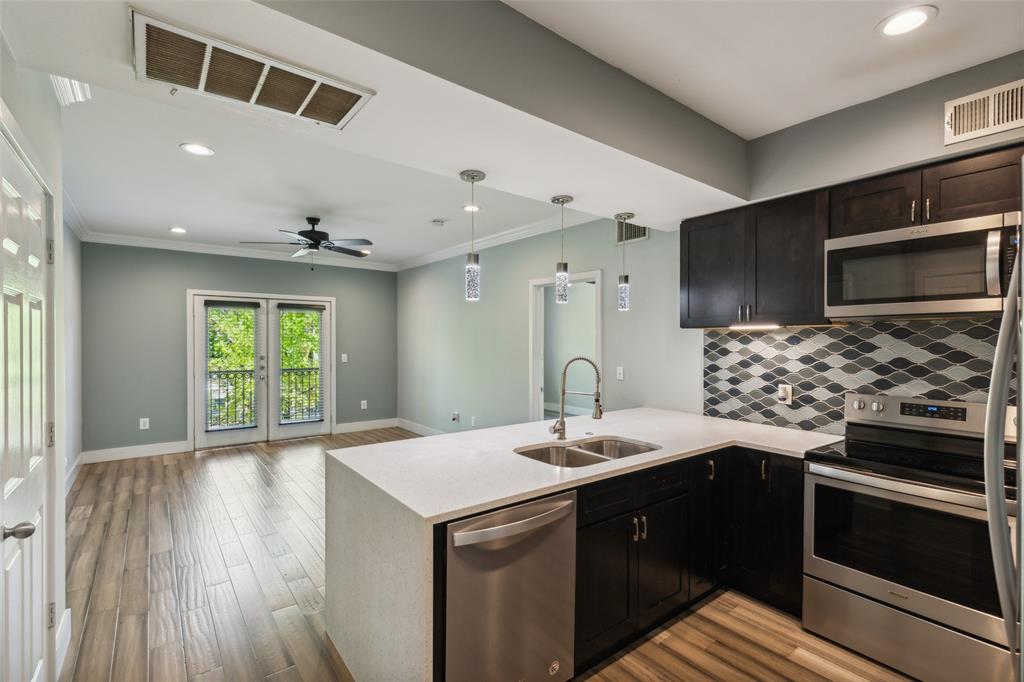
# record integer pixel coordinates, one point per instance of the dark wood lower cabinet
(708, 523)
(663, 576)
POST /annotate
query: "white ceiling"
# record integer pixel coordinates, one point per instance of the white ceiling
(385, 176)
(757, 67)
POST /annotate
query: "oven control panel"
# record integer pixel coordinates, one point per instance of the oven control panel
(933, 411)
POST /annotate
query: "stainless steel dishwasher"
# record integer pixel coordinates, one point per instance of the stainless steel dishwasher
(511, 593)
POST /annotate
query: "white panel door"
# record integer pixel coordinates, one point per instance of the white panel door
(300, 358)
(230, 370)
(23, 399)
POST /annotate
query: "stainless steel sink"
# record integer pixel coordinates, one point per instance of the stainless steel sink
(586, 451)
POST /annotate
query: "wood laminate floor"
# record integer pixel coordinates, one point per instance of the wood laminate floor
(209, 567)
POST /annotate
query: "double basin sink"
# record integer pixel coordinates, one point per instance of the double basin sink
(585, 451)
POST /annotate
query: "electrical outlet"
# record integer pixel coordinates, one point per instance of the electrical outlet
(143, 423)
(620, 374)
(362, 404)
(472, 421)
(344, 357)
(785, 394)
(455, 416)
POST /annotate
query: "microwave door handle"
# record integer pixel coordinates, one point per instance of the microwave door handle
(993, 285)
(995, 425)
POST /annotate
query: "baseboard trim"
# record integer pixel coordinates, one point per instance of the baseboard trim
(133, 451)
(349, 427)
(569, 409)
(62, 642)
(419, 429)
(72, 474)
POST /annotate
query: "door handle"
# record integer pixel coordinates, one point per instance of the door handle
(23, 530)
(711, 469)
(913, 210)
(928, 210)
(764, 469)
(474, 537)
(643, 533)
(636, 530)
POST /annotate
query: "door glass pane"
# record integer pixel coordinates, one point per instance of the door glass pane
(302, 396)
(941, 554)
(944, 267)
(230, 366)
(36, 384)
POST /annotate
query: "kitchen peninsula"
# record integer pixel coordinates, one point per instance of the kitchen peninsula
(385, 502)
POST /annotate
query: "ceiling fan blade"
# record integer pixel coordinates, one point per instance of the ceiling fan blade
(351, 242)
(301, 252)
(294, 235)
(348, 252)
(278, 243)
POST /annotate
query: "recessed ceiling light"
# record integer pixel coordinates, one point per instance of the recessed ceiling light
(471, 208)
(196, 148)
(177, 229)
(907, 20)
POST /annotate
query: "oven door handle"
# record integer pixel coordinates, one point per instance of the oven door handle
(943, 496)
(993, 271)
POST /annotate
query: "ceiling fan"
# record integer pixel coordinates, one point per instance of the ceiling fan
(313, 240)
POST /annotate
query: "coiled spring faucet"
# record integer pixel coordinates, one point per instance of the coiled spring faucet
(558, 428)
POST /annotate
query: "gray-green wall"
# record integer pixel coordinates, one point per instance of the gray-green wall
(474, 357)
(569, 330)
(133, 335)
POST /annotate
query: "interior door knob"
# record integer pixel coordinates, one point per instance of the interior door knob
(21, 531)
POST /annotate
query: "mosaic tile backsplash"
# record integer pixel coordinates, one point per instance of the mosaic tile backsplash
(937, 359)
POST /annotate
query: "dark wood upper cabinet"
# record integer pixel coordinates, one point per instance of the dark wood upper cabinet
(785, 259)
(712, 267)
(875, 204)
(980, 185)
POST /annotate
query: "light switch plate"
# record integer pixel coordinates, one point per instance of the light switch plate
(620, 373)
(143, 423)
(362, 404)
(344, 357)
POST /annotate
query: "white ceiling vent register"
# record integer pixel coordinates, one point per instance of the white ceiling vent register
(986, 112)
(628, 232)
(168, 54)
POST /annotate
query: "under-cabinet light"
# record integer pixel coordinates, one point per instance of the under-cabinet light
(754, 327)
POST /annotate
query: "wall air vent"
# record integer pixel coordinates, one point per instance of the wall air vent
(168, 54)
(984, 113)
(628, 232)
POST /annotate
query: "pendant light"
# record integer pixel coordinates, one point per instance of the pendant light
(472, 258)
(623, 298)
(561, 267)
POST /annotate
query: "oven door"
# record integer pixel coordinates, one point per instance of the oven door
(957, 267)
(915, 547)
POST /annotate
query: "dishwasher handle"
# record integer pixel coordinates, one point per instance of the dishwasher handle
(507, 530)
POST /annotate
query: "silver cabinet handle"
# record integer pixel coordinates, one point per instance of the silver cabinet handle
(636, 530)
(764, 469)
(475, 537)
(643, 533)
(23, 530)
(711, 469)
(928, 210)
(739, 313)
(748, 312)
(913, 210)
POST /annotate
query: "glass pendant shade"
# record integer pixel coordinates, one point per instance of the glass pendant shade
(623, 293)
(472, 276)
(562, 282)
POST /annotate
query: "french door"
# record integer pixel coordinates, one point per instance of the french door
(24, 399)
(263, 368)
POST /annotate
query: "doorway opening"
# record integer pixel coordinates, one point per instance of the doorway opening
(558, 332)
(261, 367)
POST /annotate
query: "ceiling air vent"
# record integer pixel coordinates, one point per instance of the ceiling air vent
(986, 112)
(169, 54)
(628, 232)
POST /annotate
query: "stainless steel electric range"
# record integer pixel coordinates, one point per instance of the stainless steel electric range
(897, 559)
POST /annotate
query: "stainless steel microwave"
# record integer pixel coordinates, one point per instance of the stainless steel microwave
(958, 267)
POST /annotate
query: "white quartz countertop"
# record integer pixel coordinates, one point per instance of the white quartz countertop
(452, 475)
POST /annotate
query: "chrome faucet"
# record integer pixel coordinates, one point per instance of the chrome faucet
(558, 427)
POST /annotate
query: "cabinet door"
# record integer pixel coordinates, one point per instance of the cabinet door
(606, 570)
(708, 521)
(664, 581)
(876, 204)
(785, 577)
(748, 475)
(711, 270)
(981, 185)
(785, 244)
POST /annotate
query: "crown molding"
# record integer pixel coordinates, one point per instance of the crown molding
(235, 251)
(515, 234)
(73, 217)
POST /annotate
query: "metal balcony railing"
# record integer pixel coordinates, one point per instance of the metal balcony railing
(230, 399)
(301, 395)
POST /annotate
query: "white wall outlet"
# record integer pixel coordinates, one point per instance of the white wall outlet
(620, 374)
(472, 421)
(344, 357)
(362, 404)
(143, 423)
(785, 394)
(455, 416)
